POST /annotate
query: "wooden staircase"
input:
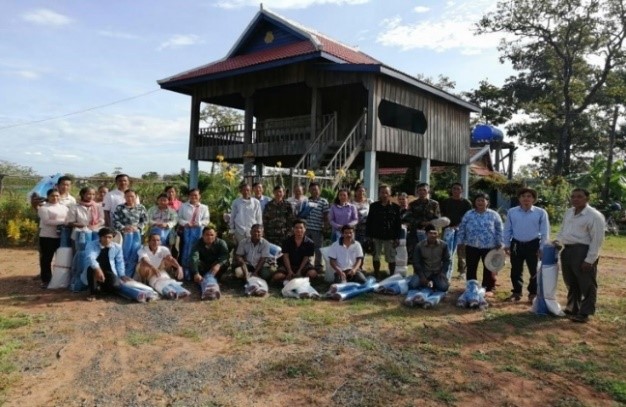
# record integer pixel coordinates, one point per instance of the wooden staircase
(329, 158)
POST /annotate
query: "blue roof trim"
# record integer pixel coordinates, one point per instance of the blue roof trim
(240, 71)
(249, 40)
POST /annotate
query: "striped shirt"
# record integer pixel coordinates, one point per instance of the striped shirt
(319, 210)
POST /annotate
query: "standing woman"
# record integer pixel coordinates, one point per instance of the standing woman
(52, 214)
(172, 197)
(103, 190)
(362, 204)
(193, 216)
(130, 218)
(87, 216)
(479, 232)
(342, 213)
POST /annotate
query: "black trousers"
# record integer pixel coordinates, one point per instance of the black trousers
(473, 255)
(111, 282)
(47, 247)
(524, 252)
(582, 286)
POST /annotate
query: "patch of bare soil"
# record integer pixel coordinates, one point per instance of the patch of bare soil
(261, 352)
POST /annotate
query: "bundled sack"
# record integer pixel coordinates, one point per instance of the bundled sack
(473, 297)
(167, 286)
(209, 288)
(136, 291)
(423, 297)
(346, 291)
(545, 302)
(299, 287)
(256, 286)
(61, 269)
(393, 285)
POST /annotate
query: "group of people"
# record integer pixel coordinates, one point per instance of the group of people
(181, 243)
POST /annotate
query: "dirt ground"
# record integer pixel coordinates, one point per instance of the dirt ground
(277, 352)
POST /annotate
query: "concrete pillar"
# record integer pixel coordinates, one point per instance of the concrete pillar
(370, 178)
(193, 174)
(425, 170)
(194, 129)
(465, 179)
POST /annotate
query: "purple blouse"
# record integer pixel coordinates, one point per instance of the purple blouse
(340, 215)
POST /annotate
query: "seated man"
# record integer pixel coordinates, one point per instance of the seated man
(157, 265)
(431, 260)
(346, 258)
(209, 260)
(105, 261)
(252, 255)
(297, 253)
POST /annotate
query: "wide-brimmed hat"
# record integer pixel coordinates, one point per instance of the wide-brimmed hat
(495, 259)
(441, 222)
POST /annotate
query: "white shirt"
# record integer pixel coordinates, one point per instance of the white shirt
(185, 214)
(51, 216)
(586, 227)
(67, 200)
(155, 258)
(345, 256)
(244, 214)
(114, 198)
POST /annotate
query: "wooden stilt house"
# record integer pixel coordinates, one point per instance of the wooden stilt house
(313, 103)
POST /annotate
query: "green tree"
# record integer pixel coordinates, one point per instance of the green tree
(150, 176)
(9, 168)
(442, 82)
(497, 104)
(564, 51)
(221, 116)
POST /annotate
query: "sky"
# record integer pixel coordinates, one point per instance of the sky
(103, 58)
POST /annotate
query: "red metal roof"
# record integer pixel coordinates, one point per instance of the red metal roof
(243, 61)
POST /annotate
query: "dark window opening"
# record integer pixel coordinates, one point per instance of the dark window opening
(402, 117)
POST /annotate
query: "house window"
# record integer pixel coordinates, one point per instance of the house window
(402, 117)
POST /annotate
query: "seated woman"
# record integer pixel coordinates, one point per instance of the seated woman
(52, 215)
(130, 218)
(87, 216)
(192, 217)
(156, 266)
(163, 220)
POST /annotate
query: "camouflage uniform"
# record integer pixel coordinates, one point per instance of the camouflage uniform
(419, 214)
(278, 220)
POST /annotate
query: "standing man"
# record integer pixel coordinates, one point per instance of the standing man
(346, 258)
(581, 235)
(453, 208)
(115, 197)
(421, 211)
(278, 217)
(317, 220)
(64, 185)
(298, 200)
(431, 260)
(384, 228)
(257, 189)
(245, 212)
(526, 230)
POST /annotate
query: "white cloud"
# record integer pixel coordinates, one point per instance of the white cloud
(452, 29)
(43, 16)
(22, 73)
(118, 34)
(179, 40)
(285, 4)
(421, 9)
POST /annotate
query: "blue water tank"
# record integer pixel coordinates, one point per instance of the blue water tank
(486, 133)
